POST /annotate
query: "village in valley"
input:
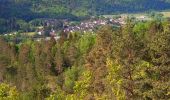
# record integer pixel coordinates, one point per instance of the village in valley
(54, 27)
(86, 26)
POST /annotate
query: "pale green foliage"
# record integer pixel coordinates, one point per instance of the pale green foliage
(71, 76)
(81, 87)
(8, 93)
(114, 80)
(59, 94)
(65, 46)
(141, 69)
(140, 29)
(86, 42)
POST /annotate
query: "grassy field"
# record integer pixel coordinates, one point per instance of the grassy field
(126, 14)
(166, 13)
(30, 34)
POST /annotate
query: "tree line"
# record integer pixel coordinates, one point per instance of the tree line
(132, 62)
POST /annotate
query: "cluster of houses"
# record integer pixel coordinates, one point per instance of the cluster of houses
(41, 35)
(84, 26)
(91, 25)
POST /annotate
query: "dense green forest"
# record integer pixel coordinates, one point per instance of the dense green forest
(24, 15)
(129, 63)
(30, 9)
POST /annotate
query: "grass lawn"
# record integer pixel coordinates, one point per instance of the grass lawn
(166, 13)
(126, 14)
(30, 34)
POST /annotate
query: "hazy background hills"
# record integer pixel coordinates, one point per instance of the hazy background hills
(30, 9)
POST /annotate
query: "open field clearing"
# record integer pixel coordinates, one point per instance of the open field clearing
(166, 13)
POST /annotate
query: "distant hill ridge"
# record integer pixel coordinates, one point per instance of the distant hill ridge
(30, 9)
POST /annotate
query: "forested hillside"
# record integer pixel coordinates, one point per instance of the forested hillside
(129, 63)
(109, 59)
(29, 9)
(25, 15)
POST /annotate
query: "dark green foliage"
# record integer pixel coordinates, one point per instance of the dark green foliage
(62, 8)
(25, 15)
